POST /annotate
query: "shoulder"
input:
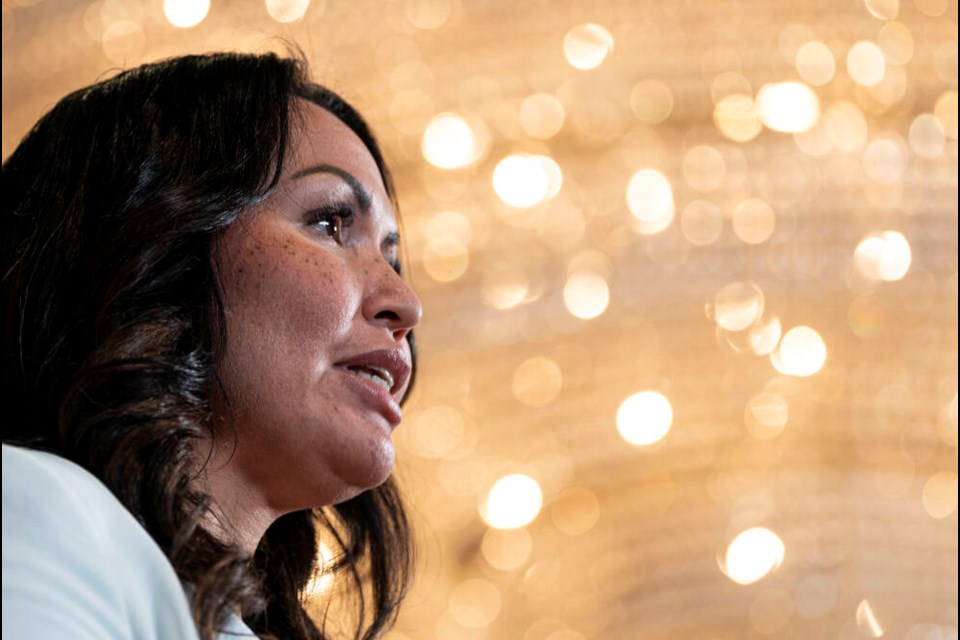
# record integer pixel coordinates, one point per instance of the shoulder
(63, 503)
(75, 562)
(36, 483)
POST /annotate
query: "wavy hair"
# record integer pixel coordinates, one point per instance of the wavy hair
(112, 319)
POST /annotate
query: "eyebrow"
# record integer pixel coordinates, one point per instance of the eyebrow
(360, 192)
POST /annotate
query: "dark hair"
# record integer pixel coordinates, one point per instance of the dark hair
(112, 317)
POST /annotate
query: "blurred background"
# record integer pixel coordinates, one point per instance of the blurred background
(689, 274)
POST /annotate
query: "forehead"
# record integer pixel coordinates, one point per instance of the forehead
(320, 138)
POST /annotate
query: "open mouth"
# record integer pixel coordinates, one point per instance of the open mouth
(389, 369)
(377, 375)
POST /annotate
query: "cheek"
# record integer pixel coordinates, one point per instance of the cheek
(301, 298)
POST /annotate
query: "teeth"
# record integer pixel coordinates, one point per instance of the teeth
(376, 374)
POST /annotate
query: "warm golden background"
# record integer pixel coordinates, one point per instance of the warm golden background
(689, 272)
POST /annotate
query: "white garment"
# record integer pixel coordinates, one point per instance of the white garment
(76, 564)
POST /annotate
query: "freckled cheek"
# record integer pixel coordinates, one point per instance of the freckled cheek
(309, 297)
(292, 295)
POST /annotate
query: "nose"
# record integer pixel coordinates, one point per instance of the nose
(390, 302)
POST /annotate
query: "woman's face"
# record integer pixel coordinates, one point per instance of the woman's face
(316, 360)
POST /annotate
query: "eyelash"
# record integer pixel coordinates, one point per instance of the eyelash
(338, 217)
(335, 218)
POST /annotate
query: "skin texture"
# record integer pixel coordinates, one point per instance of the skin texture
(293, 429)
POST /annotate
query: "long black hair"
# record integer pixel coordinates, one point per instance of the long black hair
(112, 320)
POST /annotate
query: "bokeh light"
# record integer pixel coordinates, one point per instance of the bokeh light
(586, 46)
(945, 111)
(788, 106)
(703, 168)
(644, 418)
(867, 622)
(815, 63)
(737, 306)
(664, 214)
(586, 294)
(759, 339)
(896, 42)
(124, 42)
(736, 118)
(945, 61)
(884, 160)
(438, 431)
(927, 136)
(752, 555)
(449, 224)
(866, 64)
(754, 221)
(883, 256)
(542, 115)
(729, 83)
(883, 9)
(766, 415)
(940, 494)
(505, 286)
(285, 11)
(449, 142)
(575, 511)
(475, 603)
(445, 259)
(701, 222)
(537, 381)
(846, 126)
(506, 549)
(802, 352)
(524, 180)
(427, 14)
(650, 200)
(185, 13)
(651, 101)
(513, 501)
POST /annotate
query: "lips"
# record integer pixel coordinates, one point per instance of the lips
(388, 368)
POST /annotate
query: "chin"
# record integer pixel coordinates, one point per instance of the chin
(370, 473)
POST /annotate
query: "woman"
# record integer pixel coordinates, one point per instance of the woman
(204, 322)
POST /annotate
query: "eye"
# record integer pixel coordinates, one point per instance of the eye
(331, 220)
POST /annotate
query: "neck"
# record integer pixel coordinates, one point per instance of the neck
(239, 515)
